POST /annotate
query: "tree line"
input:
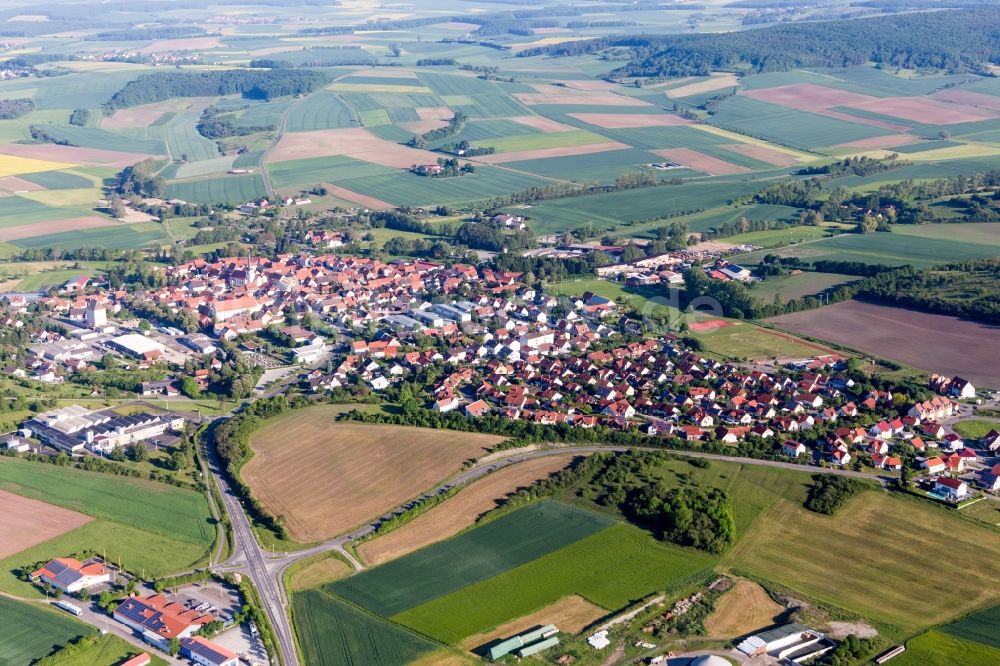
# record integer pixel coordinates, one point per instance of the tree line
(253, 84)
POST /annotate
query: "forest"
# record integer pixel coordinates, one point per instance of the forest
(955, 41)
(253, 84)
(15, 108)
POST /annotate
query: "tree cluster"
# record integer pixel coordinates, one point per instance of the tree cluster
(828, 492)
(15, 108)
(252, 84)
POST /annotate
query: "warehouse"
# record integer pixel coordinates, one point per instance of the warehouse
(137, 346)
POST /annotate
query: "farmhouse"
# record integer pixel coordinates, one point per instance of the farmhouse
(159, 620)
(71, 575)
(207, 653)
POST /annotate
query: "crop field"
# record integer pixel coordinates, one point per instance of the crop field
(15, 165)
(922, 246)
(184, 140)
(604, 166)
(610, 569)
(547, 140)
(958, 347)
(92, 137)
(979, 627)
(937, 648)
(332, 169)
(29, 522)
(218, 190)
(792, 546)
(607, 211)
(460, 511)
(792, 286)
(205, 167)
(333, 632)
(319, 111)
(31, 632)
(741, 610)
(404, 187)
(58, 180)
(477, 555)
(317, 472)
(353, 142)
(116, 236)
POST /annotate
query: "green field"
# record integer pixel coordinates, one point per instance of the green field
(791, 286)
(204, 167)
(31, 631)
(548, 140)
(117, 236)
(150, 525)
(979, 627)
(185, 142)
(923, 246)
(322, 110)
(331, 169)
(403, 187)
(882, 548)
(92, 137)
(107, 649)
(333, 632)
(973, 429)
(610, 568)
(58, 180)
(936, 648)
(473, 556)
(225, 189)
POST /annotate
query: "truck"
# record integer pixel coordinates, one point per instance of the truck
(69, 608)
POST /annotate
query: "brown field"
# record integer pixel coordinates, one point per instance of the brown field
(542, 124)
(460, 511)
(925, 110)
(318, 573)
(28, 522)
(72, 154)
(354, 142)
(139, 116)
(548, 94)
(361, 199)
(570, 614)
(186, 44)
(326, 477)
(590, 85)
(741, 610)
(709, 325)
(542, 153)
(15, 184)
(968, 98)
(456, 25)
(763, 154)
(808, 96)
(434, 113)
(930, 342)
(713, 166)
(630, 120)
(714, 83)
(889, 141)
(271, 50)
(53, 227)
(858, 120)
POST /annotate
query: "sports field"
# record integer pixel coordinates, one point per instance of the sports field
(333, 632)
(317, 473)
(31, 631)
(460, 511)
(879, 545)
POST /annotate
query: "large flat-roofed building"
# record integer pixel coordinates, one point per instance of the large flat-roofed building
(75, 428)
(137, 346)
(159, 620)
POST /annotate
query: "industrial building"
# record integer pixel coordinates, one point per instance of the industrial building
(207, 653)
(137, 346)
(75, 428)
(792, 642)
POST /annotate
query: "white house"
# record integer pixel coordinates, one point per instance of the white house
(72, 575)
(949, 488)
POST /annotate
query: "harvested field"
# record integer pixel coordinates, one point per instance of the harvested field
(968, 98)
(322, 571)
(698, 87)
(956, 347)
(888, 141)
(15, 184)
(459, 512)
(138, 116)
(860, 120)
(809, 96)
(713, 166)
(589, 85)
(70, 155)
(355, 197)
(386, 72)
(434, 113)
(456, 25)
(630, 120)
(53, 227)
(570, 614)
(354, 142)
(925, 110)
(556, 95)
(763, 154)
(318, 473)
(741, 610)
(542, 124)
(543, 153)
(28, 522)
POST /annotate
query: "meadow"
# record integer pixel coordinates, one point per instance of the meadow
(477, 555)
(796, 285)
(879, 545)
(331, 631)
(31, 632)
(106, 649)
(317, 472)
(742, 339)
(936, 648)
